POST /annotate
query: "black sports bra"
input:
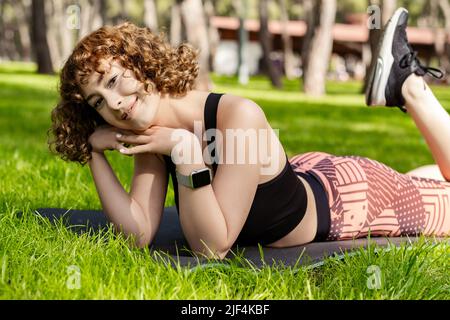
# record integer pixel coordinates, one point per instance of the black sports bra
(279, 204)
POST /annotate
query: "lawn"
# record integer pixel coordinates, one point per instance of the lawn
(40, 261)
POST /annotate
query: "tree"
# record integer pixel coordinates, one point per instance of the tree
(193, 17)
(150, 15)
(20, 11)
(53, 34)
(39, 37)
(123, 15)
(213, 33)
(240, 7)
(91, 17)
(104, 11)
(288, 52)
(2, 31)
(176, 24)
(436, 16)
(318, 44)
(444, 52)
(266, 43)
(65, 33)
(388, 8)
(68, 23)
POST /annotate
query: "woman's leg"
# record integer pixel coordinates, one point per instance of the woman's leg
(396, 80)
(431, 119)
(366, 196)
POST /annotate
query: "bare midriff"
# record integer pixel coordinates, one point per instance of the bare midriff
(306, 230)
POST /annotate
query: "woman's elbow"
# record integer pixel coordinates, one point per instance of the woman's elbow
(222, 254)
(210, 253)
(145, 239)
(139, 240)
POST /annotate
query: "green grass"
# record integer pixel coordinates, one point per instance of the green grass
(37, 259)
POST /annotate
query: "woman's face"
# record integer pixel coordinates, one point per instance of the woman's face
(120, 98)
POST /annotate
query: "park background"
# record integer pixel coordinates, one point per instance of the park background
(303, 61)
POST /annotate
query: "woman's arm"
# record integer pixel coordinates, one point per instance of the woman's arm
(121, 209)
(213, 216)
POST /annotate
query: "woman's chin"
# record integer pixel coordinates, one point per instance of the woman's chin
(141, 126)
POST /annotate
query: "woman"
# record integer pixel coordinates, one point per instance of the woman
(125, 89)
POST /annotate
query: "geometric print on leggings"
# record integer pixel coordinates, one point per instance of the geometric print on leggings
(436, 199)
(366, 196)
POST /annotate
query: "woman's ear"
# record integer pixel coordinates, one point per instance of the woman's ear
(127, 73)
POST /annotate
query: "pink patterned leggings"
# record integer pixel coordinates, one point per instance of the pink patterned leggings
(365, 195)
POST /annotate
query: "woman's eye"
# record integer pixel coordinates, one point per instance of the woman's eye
(111, 82)
(97, 103)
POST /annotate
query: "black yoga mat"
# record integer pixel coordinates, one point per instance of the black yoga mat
(170, 239)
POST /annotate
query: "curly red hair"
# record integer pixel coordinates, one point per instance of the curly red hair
(172, 70)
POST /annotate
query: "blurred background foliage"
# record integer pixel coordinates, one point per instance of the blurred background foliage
(240, 38)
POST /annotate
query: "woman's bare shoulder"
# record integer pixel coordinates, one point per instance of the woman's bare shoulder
(233, 100)
(235, 107)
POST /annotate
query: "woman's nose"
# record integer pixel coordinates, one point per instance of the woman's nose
(114, 102)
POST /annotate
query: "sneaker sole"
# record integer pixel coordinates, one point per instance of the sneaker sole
(379, 75)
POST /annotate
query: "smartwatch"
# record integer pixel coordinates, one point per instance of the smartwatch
(197, 178)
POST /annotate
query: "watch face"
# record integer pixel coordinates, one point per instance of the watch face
(200, 179)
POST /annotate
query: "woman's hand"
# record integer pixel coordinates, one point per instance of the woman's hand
(156, 139)
(104, 138)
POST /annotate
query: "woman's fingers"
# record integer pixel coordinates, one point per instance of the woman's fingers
(133, 139)
(119, 146)
(141, 143)
(122, 146)
(137, 149)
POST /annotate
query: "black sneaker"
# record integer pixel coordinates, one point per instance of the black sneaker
(396, 61)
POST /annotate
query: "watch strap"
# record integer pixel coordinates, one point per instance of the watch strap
(188, 180)
(184, 180)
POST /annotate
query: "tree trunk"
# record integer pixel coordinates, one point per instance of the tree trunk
(24, 32)
(150, 15)
(176, 25)
(96, 15)
(319, 48)
(194, 20)
(213, 33)
(66, 35)
(84, 18)
(39, 37)
(123, 15)
(240, 7)
(388, 9)
(288, 52)
(445, 57)
(53, 34)
(91, 17)
(2, 32)
(266, 44)
(8, 44)
(104, 11)
(308, 7)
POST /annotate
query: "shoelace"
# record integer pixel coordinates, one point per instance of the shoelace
(410, 57)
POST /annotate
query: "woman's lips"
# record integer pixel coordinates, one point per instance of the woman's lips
(130, 112)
